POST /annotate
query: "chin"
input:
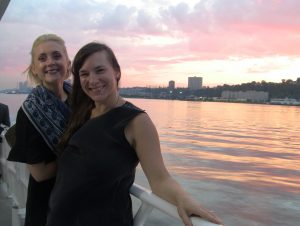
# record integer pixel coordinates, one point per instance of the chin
(52, 82)
(96, 99)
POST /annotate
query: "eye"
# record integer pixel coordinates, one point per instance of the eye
(42, 58)
(56, 55)
(99, 70)
(83, 74)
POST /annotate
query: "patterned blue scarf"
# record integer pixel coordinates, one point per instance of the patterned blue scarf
(47, 113)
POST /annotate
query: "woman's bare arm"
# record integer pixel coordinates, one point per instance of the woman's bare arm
(143, 136)
(42, 171)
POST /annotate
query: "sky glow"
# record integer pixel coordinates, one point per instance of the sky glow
(223, 41)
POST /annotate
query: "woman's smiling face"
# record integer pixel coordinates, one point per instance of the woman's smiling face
(50, 63)
(98, 79)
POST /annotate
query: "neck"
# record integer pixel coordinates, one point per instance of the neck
(57, 89)
(102, 108)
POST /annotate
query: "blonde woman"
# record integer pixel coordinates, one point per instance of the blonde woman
(41, 121)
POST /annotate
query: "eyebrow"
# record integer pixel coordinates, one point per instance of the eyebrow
(95, 68)
(41, 54)
(99, 67)
(54, 52)
(81, 71)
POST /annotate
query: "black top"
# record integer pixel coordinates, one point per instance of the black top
(31, 148)
(4, 115)
(95, 172)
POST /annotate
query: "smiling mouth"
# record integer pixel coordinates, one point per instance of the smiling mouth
(52, 71)
(98, 88)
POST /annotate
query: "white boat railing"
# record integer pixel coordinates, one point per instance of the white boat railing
(150, 201)
(15, 176)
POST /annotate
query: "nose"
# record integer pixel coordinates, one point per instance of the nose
(93, 78)
(50, 61)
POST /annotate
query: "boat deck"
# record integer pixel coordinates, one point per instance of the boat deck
(5, 207)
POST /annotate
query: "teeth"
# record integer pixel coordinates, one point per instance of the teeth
(52, 71)
(96, 88)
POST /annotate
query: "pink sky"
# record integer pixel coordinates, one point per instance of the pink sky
(232, 41)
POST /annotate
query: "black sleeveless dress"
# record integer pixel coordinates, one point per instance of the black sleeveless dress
(95, 173)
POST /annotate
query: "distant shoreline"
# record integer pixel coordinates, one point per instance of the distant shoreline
(295, 104)
(220, 101)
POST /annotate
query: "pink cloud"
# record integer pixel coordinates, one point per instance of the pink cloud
(208, 30)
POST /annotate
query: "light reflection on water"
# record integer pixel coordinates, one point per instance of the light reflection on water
(250, 151)
(241, 160)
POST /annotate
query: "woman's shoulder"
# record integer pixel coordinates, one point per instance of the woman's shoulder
(131, 106)
(141, 121)
(21, 114)
(22, 118)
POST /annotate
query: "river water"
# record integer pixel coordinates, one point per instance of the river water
(242, 161)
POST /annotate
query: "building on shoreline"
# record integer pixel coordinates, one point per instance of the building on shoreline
(285, 101)
(171, 85)
(246, 96)
(195, 83)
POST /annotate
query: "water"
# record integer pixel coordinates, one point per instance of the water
(242, 161)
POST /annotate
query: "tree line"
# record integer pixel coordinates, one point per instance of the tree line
(285, 89)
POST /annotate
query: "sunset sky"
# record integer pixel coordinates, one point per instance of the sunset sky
(223, 41)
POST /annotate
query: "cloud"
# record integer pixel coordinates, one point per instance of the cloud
(152, 34)
(118, 18)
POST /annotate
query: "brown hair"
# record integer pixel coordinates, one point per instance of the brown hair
(81, 104)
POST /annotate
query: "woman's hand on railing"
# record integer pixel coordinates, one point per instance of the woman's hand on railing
(199, 221)
(188, 208)
(151, 200)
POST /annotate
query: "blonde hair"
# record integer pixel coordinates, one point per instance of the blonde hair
(41, 39)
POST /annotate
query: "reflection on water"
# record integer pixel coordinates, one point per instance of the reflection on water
(231, 141)
(247, 154)
(241, 160)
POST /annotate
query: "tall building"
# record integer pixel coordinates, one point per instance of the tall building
(171, 85)
(22, 84)
(195, 83)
